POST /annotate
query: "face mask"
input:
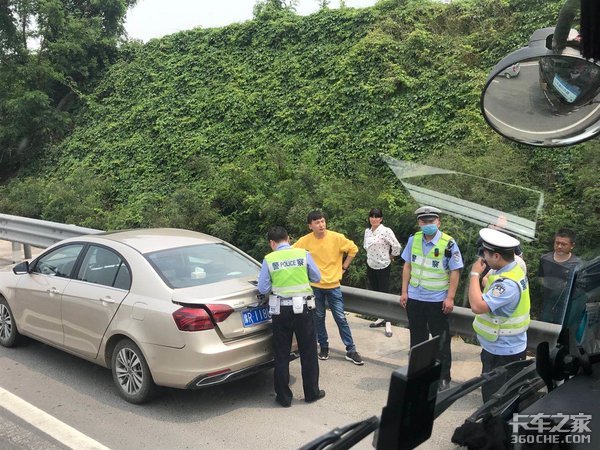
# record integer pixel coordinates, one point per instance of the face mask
(429, 229)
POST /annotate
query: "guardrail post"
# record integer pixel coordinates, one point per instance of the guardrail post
(27, 251)
(16, 250)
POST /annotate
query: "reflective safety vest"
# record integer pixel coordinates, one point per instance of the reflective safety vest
(289, 272)
(489, 326)
(428, 270)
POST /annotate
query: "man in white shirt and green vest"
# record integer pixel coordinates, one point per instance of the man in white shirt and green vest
(287, 272)
(432, 263)
(502, 308)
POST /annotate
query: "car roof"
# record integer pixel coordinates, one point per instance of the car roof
(147, 240)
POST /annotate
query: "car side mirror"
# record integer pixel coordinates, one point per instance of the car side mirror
(539, 97)
(21, 268)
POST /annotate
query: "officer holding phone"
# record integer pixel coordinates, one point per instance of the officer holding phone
(501, 308)
(287, 273)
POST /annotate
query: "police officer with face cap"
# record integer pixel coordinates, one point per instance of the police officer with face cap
(501, 308)
(432, 263)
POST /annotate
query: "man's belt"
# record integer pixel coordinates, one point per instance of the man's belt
(287, 301)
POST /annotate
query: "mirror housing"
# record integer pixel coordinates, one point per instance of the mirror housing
(21, 268)
(539, 97)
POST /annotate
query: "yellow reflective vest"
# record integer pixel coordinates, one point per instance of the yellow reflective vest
(428, 270)
(289, 272)
(489, 326)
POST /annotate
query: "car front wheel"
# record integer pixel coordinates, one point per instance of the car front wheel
(131, 373)
(9, 335)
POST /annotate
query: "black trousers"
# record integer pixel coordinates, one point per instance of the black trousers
(379, 279)
(425, 318)
(285, 325)
(489, 362)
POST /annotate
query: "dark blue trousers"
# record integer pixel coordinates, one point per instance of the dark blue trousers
(285, 325)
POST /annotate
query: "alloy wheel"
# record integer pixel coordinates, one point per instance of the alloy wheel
(6, 325)
(129, 371)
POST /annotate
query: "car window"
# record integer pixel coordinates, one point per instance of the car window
(103, 266)
(123, 280)
(201, 264)
(58, 262)
(582, 305)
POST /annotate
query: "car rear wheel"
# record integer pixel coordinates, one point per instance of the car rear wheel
(507, 75)
(131, 373)
(9, 335)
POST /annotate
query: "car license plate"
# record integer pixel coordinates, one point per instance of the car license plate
(255, 316)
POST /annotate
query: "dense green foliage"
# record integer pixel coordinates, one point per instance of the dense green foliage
(232, 130)
(51, 52)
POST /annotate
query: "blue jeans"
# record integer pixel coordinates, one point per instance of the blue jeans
(336, 304)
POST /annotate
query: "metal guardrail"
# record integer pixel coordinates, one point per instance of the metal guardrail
(41, 233)
(387, 306)
(38, 233)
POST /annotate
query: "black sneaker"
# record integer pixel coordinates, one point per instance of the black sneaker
(283, 402)
(319, 396)
(324, 353)
(355, 358)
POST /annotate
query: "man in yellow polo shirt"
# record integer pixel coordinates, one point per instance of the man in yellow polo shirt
(328, 249)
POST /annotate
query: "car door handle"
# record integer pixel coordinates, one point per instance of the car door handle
(53, 291)
(107, 299)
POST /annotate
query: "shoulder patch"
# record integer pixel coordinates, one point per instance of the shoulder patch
(498, 289)
(523, 284)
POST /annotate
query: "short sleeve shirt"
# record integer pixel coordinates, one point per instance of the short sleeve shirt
(503, 298)
(454, 262)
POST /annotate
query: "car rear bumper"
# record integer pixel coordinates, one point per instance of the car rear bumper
(208, 380)
(206, 360)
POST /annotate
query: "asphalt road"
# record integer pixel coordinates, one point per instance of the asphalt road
(240, 415)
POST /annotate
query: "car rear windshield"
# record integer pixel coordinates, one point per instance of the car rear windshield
(201, 264)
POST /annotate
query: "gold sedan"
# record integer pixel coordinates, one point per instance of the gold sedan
(160, 307)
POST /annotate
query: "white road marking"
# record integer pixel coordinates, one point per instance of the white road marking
(48, 424)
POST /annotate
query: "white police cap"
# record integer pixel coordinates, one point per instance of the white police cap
(428, 212)
(495, 240)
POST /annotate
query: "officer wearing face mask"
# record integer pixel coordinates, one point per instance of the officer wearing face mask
(432, 263)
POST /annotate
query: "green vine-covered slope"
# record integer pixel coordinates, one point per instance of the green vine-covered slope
(232, 130)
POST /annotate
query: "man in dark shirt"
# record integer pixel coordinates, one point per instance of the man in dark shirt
(555, 268)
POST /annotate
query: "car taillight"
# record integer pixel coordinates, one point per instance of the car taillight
(198, 319)
(220, 312)
(192, 319)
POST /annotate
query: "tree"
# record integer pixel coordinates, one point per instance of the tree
(266, 9)
(51, 52)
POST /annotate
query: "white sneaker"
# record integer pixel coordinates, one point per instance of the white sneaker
(377, 323)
